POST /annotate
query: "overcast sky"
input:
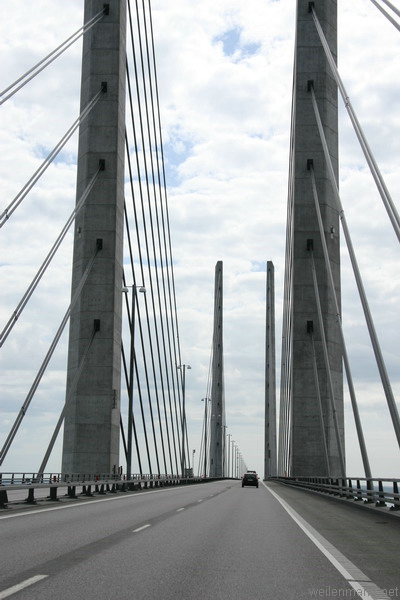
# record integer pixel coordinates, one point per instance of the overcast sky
(225, 78)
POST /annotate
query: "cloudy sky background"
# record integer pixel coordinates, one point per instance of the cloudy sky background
(225, 79)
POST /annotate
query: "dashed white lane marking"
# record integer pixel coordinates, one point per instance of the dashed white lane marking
(201, 500)
(141, 528)
(353, 575)
(179, 509)
(20, 586)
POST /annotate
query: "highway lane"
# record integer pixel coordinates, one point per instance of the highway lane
(214, 540)
(366, 535)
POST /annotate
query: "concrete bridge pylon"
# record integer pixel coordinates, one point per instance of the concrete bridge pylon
(92, 411)
(311, 394)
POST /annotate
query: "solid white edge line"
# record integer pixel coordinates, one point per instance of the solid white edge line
(336, 558)
(141, 528)
(20, 586)
(80, 504)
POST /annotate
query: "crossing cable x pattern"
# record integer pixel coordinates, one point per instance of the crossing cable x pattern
(152, 264)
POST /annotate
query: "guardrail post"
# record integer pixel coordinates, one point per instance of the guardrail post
(31, 496)
(370, 491)
(380, 501)
(53, 494)
(71, 491)
(395, 497)
(3, 499)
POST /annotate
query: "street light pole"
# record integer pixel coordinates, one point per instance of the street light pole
(131, 368)
(229, 453)
(225, 427)
(183, 368)
(206, 401)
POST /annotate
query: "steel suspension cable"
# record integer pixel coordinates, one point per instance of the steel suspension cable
(386, 14)
(378, 178)
(140, 326)
(145, 126)
(6, 214)
(368, 317)
(71, 390)
(134, 280)
(390, 5)
(327, 367)
(47, 60)
(167, 235)
(319, 402)
(143, 278)
(141, 265)
(346, 362)
(23, 302)
(47, 358)
(133, 424)
(163, 264)
(146, 238)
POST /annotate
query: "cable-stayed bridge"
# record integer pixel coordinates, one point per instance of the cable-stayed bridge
(150, 382)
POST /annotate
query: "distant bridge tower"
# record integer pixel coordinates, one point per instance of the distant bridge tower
(270, 459)
(217, 421)
(92, 416)
(311, 412)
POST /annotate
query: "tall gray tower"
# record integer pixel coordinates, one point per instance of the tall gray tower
(313, 393)
(217, 420)
(270, 463)
(92, 416)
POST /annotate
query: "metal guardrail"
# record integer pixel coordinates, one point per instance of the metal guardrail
(90, 483)
(380, 491)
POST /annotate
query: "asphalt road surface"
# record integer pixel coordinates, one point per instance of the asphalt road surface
(209, 541)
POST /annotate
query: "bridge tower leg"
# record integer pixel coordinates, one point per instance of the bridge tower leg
(217, 420)
(270, 464)
(304, 444)
(92, 413)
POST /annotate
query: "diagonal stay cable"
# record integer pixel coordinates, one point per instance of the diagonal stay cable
(319, 399)
(166, 265)
(390, 5)
(24, 300)
(149, 177)
(360, 286)
(5, 215)
(133, 424)
(155, 224)
(167, 238)
(47, 358)
(386, 14)
(146, 373)
(143, 211)
(379, 181)
(71, 391)
(346, 362)
(47, 60)
(328, 371)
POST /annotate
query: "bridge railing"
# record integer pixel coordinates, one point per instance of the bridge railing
(380, 491)
(90, 484)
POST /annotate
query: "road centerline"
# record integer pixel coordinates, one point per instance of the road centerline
(141, 528)
(21, 586)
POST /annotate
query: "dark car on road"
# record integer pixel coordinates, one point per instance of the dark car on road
(250, 479)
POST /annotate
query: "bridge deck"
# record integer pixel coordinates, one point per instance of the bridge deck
(216, 540)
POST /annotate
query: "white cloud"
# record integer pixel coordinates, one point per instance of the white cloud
(226, 123)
